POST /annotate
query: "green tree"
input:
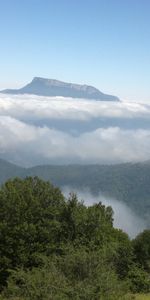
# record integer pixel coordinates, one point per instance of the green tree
(141, 245)
(57, 248)
(139, 280)
(30, 213)
(79, 275)
(90, 226)
(123, 253)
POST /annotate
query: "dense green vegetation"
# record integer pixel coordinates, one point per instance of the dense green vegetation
(52, 248)
(142, 297)
(129, 182)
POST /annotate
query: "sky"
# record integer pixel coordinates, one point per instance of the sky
(104, 43)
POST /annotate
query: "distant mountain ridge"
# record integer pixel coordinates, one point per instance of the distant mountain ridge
(51, 87)
(128, 183)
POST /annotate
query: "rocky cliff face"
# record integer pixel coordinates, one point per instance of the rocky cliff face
(51, 87)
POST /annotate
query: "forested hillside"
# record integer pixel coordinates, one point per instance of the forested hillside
(53, 248)
(129, 182)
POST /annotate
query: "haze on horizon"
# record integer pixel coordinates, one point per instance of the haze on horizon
(100, 43)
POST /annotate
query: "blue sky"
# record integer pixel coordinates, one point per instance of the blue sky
(105, 43)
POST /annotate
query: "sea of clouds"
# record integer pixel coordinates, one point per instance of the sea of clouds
(57, 130)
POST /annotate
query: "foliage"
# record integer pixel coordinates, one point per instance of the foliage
(79, 276)
(57, 248)
(128, 182)
(139, 280)
(141, 245)
(30, 212)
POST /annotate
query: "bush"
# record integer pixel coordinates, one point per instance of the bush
(139, 280)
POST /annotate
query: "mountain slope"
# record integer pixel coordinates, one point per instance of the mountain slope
(9, 170)
(129, 183)
(50, 87)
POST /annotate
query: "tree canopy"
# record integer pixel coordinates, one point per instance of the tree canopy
(57, 248)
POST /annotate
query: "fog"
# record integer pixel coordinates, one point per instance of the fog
(39, 107)
(57, 130)
(124, 217)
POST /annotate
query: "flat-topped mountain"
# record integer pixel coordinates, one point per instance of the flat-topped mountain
(51, 87)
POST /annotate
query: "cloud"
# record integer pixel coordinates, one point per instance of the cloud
(35, 130)
(38, 107)
(33, 144)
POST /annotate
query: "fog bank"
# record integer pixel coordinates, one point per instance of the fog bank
(124, 217)
(58, 130)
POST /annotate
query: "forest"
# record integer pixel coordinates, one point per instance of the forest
(127, 183)
(53, 248)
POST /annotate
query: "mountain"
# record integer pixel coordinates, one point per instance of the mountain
(9, 170)
(51, 87)
(129, 183)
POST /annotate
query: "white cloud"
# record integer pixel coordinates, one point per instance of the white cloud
(39, 107)
(27, 137)
(33, 144)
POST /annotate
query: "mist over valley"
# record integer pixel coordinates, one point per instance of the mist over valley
(64, 130)
(97, 147)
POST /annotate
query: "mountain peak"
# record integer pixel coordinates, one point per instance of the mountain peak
(52, 87)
